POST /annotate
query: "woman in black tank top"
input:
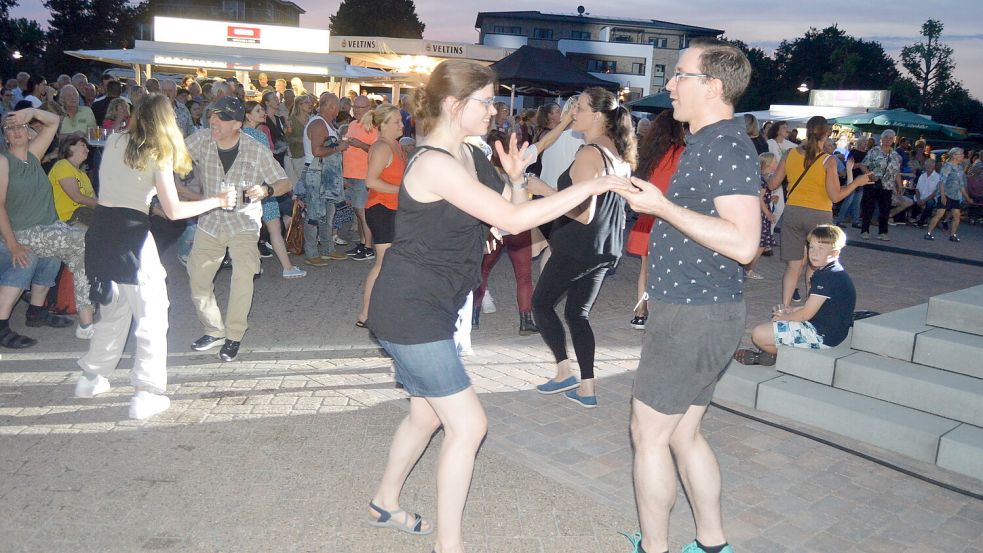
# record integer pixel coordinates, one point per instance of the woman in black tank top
(450, 194)
(586, 242)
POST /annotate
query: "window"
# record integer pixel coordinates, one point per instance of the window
(602, 66)
(580, 35)
(506, 30)
(659, 70)
(544, 34)
(235, 9)
(638, 68)
(621, 38)
(659, 42)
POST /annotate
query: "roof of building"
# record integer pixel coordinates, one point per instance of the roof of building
(289, 4)
(574, 18)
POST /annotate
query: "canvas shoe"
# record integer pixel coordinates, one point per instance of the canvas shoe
(587, 402)
(553, 387)
(693, 548)
(89, 386)
(146, 404)
(294, 272)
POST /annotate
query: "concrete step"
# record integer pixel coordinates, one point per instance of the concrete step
(891, 334)
(816, 365)
(962, 451)
(951, 395)
(882, 424)
(961, 310)
(950, 350)
(740, 383)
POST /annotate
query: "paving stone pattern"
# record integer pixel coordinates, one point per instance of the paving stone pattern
(280, 451)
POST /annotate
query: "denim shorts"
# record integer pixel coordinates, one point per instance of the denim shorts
(356, 192)
(42, 271)
(432, 369)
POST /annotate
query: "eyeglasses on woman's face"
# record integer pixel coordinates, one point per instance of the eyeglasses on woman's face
(487, 103)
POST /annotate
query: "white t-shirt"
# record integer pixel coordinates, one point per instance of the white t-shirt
(780, 149)
(559, 156)
(928, 184)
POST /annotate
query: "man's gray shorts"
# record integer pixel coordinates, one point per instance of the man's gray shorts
(685, 351)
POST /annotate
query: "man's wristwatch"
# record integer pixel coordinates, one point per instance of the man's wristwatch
(268, 189)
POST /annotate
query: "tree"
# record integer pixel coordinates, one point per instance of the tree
(759, 93)
(930, 64)
(86, 25)
(392, 18)
(24, 36)
(829, 58)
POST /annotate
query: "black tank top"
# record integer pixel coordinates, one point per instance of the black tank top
(434, 261)
(602, 240)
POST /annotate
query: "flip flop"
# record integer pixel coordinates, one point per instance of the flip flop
(385, 520)
(360, 324)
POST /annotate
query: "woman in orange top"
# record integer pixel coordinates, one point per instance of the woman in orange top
(813, 188)
(385, 173)
(658, 156)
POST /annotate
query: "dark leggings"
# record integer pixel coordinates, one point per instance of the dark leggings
(581, 284)
(878, 198)
(519, 247)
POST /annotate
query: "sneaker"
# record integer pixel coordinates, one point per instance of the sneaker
(85, 332)
(89, 386)
(636, 541)
(206, 342)
(892, 223)
(587, 402)
(865, 235)
(553, 387)
(356, 250)
(265, 250)
(316, 261)
(796, 296)
(47, 318)
(928, 236)
(339, 240)
(335, 256)
(488, 304)
(884, 237)
(229, 351)
(954, 238)
(465, 352)
(294, 272)
(692, 547)
(753, 275)
(365, 254)
(146, 404)
(638, 323)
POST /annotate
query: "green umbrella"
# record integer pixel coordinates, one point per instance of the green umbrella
(652, 103)
(901, 120)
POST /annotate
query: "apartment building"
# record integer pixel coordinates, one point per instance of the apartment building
(636, 53)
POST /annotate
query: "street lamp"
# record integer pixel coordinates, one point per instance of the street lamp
(17, 55)
(805, 86)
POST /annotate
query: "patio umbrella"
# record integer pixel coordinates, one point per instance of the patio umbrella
(900, 120)
(653, 103)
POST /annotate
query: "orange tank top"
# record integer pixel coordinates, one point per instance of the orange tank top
(391, 174)
(811, 190)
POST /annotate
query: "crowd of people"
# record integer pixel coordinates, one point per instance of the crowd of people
(435, 186)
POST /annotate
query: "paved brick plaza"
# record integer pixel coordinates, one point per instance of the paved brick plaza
(280, 451)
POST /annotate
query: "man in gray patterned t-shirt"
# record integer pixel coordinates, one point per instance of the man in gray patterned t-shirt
(708, 225)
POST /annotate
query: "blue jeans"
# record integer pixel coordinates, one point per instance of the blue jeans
(40, 270)
(850, 207)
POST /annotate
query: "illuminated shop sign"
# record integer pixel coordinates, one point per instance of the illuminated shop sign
(243, 35)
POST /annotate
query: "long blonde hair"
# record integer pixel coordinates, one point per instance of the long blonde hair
(376, 117)
(154, 137)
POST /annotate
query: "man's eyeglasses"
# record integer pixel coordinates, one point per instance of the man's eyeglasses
(684, 75)
(486, 103)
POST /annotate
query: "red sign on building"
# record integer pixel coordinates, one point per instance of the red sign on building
(249, 35)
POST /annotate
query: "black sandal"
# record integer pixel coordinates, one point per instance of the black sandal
(753, 357)
(12, 340)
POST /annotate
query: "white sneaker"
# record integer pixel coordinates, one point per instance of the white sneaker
(487, 303)
(91, 386)
(294, 272)
(340, 241)
(85, 332)
(146, 404)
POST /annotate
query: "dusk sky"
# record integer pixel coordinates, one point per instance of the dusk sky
(762, 24)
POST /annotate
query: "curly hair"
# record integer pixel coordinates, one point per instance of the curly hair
(664, 135)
